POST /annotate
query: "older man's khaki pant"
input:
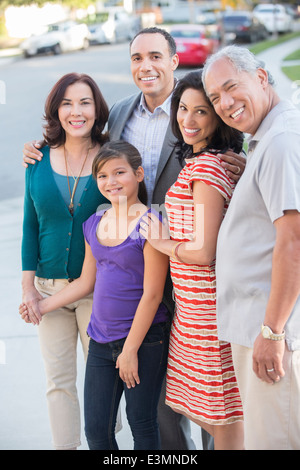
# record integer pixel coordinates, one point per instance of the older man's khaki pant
(271, 412)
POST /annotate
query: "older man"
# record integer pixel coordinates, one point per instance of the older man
(258, 257)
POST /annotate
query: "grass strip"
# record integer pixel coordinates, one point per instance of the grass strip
(263, 45)
(293, 56)
(292, 72)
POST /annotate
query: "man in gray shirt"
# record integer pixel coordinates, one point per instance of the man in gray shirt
(258, 255)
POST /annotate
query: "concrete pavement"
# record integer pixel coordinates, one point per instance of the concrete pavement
(23, 411)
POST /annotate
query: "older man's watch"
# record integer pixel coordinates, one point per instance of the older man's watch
(268, 333)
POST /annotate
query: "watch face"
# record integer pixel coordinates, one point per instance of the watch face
(265, 332)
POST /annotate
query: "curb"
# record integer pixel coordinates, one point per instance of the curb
(7, 56)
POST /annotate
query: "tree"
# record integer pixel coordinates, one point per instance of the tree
(19, 3)
(70, 3)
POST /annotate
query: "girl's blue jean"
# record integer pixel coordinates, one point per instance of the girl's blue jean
(104, 388)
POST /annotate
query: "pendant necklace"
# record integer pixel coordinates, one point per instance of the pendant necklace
(76, 180)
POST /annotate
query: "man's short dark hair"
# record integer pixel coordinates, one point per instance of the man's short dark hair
(163, 32)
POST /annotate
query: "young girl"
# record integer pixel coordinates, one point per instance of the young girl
(128, 328)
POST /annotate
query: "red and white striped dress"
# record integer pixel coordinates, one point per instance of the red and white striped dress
(200, 377)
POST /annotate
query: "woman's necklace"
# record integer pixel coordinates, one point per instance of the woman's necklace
(76, 180)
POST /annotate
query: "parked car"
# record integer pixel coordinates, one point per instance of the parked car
(206, 17)
(114, 25)
(59, 37)
(293, 10)
(243, 26)
(176, 12)
(275, 17)
(194, 43)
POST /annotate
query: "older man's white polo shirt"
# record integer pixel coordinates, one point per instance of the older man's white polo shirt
(269, 186)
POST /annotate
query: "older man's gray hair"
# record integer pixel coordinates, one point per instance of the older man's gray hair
(241, 58)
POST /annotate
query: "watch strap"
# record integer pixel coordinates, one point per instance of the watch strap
(268, 333)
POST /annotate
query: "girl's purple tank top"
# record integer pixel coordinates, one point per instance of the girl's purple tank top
(119, 283)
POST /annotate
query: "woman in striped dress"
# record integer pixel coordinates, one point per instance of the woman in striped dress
(201, 383)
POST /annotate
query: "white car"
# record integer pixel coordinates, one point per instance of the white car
(275, 17)
(114, 25)
(60, 37)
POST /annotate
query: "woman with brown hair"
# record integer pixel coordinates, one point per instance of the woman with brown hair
(60, 194)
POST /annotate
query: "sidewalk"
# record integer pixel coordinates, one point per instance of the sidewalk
(23, 409)
(7, 56)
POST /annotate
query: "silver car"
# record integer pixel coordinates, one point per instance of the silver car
(275, 17)
(113, 25)
(59, 37)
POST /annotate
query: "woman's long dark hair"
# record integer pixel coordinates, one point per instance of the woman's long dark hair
(120, 149)
(223, 138)
(54, 134)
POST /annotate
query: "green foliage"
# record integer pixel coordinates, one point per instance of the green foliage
(70, 3)
(19, 3)
(2, 26)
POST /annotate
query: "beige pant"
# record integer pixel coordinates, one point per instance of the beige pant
(58, 334)
(271, 412)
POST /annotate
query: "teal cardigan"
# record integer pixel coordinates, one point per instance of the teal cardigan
(53, 241)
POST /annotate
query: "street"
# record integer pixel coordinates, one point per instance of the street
(23, 408)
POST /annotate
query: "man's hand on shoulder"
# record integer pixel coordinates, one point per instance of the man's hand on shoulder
(234, 164)
(31, 152)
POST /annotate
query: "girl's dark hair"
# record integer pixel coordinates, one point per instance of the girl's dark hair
(224, 137)
(54, 134)
(120, 149)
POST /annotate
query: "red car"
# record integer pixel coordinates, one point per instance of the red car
(194, 43)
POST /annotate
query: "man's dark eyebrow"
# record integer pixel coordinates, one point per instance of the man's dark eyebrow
(149, 53)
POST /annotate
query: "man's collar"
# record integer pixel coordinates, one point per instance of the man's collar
(265, 125)
(165, 106)
(267, 122)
